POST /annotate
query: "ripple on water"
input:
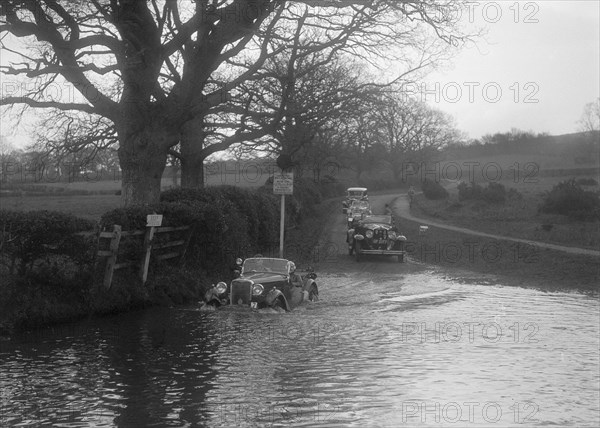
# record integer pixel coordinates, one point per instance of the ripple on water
(375, 351)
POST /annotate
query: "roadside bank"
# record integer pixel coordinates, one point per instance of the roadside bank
(63, 290)
(517, 263)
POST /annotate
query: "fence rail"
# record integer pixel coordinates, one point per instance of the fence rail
(177, 247)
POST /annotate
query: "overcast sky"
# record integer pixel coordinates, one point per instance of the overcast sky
(536, 69)
(533, 74)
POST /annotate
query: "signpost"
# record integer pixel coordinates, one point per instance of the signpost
(283, 184)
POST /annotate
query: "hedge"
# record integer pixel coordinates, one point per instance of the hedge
(51, 270)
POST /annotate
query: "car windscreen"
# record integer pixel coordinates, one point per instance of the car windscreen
(355, 194)
(382, 219)
(359, 205)
(265, 265)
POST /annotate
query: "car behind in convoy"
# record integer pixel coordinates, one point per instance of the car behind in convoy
(358, 210)
(265, 283)
(375, 234)
(354, 194)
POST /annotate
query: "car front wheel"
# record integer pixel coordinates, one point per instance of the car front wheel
(279, 303)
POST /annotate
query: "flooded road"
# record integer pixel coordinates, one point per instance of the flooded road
(370, 353)
(388, 345)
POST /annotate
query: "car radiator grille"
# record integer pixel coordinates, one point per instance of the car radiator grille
(241, 292)
(380, 234)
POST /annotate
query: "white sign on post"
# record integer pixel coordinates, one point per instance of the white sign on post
(154, 220)
(283, 183)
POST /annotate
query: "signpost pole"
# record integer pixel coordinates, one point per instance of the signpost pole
(282, 226)
(283, 184)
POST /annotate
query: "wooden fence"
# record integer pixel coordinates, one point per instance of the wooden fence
(164, 249)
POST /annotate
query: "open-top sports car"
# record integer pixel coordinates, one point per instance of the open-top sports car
(354, 194)
(375, 234)
(265, 282)
(358, 210)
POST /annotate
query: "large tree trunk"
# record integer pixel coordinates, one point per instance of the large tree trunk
(192, 173)
(142, 157)
(192, 156)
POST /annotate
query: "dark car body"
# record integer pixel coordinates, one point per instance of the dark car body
(354, 194)
(265, 282)
(375, 234)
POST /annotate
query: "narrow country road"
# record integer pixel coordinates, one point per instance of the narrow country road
(401, 208)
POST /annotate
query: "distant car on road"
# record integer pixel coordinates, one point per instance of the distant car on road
(354, 194)
(375, 234)
(265, 282)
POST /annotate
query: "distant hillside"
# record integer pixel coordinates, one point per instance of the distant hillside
(568, 151)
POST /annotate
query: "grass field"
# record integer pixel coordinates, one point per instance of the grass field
(506, 262)
(87, 206)
(90, 199)
(518, 218)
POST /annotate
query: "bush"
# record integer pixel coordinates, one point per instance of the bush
(433, 190)
(30, 236)
(471, 191)
(492, 193)
(568, 198)
(54, 267)
(378, 183)
(234, 222)
(587, 182)
(514, 194)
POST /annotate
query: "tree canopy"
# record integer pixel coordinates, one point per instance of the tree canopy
(156, 74)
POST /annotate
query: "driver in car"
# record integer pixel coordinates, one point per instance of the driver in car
(295, 279)
(259, 264)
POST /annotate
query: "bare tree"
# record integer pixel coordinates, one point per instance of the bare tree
(413, 132)
(590, 118)
(152, 67)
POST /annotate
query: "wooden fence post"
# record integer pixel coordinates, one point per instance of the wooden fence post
(187, 243)
(147, 250)
(112, 259)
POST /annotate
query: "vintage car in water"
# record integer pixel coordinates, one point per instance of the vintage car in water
(358, 210)
(375, 234)
(354, 194)
(265, 282)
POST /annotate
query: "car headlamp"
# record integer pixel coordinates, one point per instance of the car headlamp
(392, 235)
(221, 287)
(369, 234)
(257, 289)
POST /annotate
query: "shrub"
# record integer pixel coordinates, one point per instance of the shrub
(514, 194)
(469, 191)
(30, 236)
(433, 190)
(492, 193)
(233, 221)
(331, 189)
(568, 198)
(587, 182)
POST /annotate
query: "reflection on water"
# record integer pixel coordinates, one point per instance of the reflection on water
(417, 350)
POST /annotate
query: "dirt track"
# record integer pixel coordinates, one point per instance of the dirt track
(401, 208)
(539, 266)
